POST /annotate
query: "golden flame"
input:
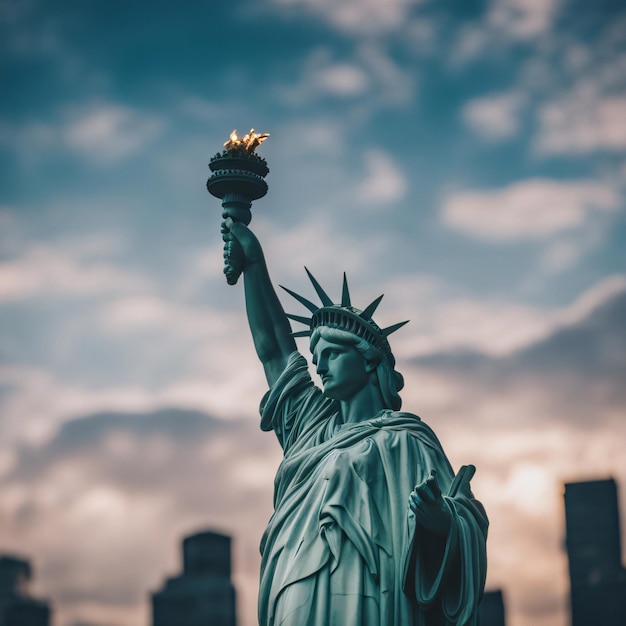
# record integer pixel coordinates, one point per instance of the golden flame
(249, 143)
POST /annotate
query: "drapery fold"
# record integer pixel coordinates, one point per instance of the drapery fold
(342, 547)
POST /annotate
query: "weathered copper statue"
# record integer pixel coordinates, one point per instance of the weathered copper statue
(371, 527)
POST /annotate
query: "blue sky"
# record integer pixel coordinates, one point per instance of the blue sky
(465, 158)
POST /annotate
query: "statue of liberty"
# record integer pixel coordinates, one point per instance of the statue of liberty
(371, 527)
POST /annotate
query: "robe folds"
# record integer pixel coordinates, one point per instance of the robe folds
(343, 547)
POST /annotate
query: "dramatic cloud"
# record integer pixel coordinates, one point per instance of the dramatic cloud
(531, 209)
(467, 163)
(551, 412)
(137, 482)
(582, 359)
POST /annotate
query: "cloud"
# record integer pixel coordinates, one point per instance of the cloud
(394, 83)
(548, 413)
(342, 80)
(321, 227)
(367, 80)
(27, 36)
(444, 323)
(356, 17)
(384, 182)
(67, 269)
(577, 82)
(137, 482)
(494, 117)
(107, 133)
(581, 356)
(530, 209)
(187, 360)
(324, 77)
(11, 236)
(522, 19)
(582, 123)
(49, 270)
(505, 23)
(104, 133)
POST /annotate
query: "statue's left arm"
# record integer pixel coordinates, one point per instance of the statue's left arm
(447, 560)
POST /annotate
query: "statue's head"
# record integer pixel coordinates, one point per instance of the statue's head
(374, 366)
(346, 325)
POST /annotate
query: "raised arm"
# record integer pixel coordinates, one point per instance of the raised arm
(271, 331)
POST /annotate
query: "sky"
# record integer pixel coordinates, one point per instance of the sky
(465, 158)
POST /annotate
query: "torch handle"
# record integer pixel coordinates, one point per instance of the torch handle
(238, 209)
(233, 261)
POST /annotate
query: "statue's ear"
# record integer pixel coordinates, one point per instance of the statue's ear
(370, 367)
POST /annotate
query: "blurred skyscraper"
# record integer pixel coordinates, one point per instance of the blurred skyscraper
(492, 609)
(17, 608)
(203, 595)
(597, 577)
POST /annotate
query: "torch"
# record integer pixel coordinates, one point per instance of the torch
(238, 179)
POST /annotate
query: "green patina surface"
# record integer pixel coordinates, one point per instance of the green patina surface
(371, 526)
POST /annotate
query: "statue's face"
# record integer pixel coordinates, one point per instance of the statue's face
(342, 368)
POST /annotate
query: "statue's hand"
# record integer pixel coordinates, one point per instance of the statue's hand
(249, 246)
(429, 507)
(241, 249)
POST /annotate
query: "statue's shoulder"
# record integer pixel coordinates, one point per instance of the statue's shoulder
(404, 415)
(413, 425)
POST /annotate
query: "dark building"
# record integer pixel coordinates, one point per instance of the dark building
(17, 608)
(597, 577)
(203, 595)
(491, 610)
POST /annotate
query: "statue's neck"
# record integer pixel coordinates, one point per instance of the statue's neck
(364, 405)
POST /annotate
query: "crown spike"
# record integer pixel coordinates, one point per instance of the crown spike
(345, 293)
(392, 329)
(323, 296)
(301, 333)
(299, 318)
(307, 303)
(370, 308)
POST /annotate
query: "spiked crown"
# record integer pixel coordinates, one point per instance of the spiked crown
(345, 317)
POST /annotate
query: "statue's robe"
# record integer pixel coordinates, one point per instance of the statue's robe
(343, 547)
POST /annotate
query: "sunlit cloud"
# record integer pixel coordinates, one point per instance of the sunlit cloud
(530, 209)
(490, 326)
(133, 480)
